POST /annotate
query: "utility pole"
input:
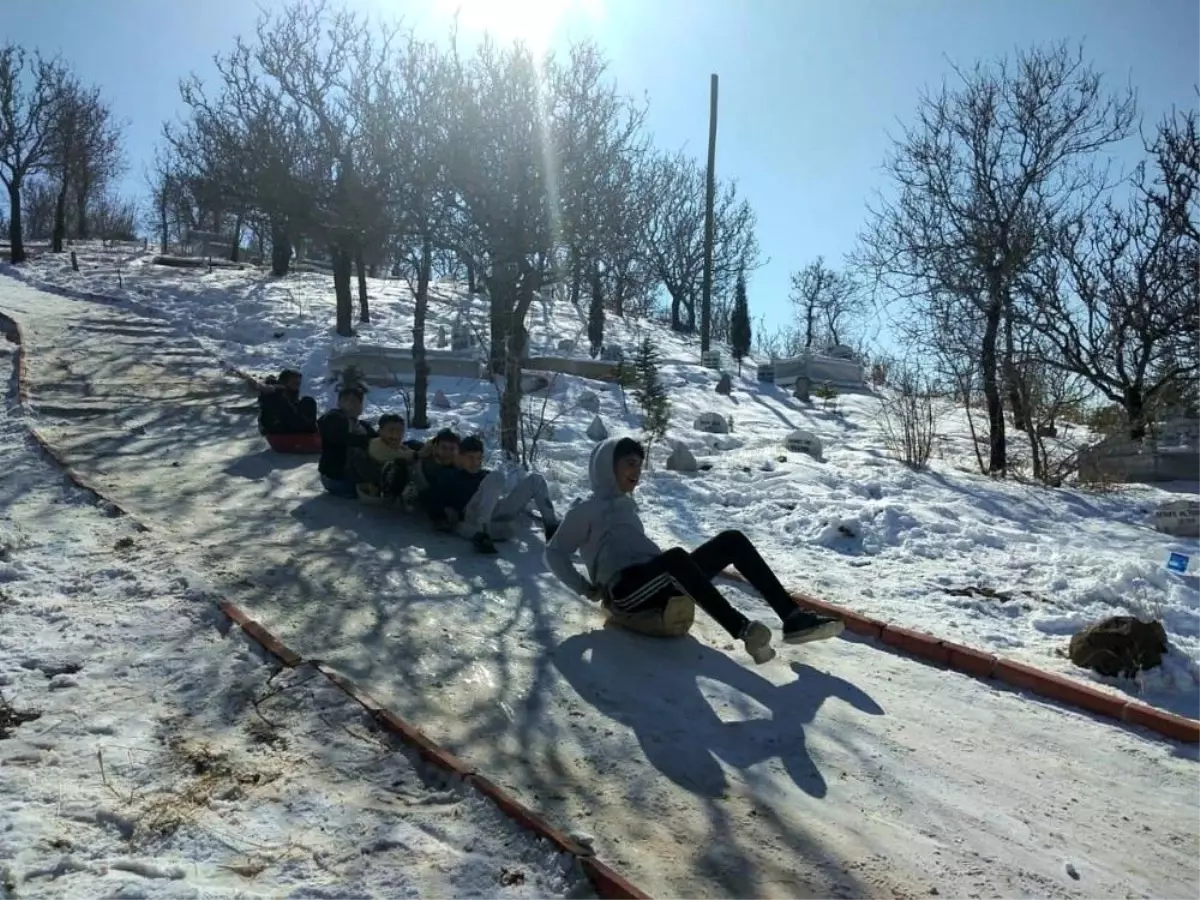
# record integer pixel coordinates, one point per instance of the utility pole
(710, 190)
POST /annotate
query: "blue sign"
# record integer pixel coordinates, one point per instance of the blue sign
(1178, 562)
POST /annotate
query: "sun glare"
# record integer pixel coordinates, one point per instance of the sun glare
(533, 21)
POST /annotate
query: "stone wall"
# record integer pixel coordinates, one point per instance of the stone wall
(1173, 456)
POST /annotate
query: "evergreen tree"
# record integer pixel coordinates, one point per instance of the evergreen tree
(739, 324)
(650, 394)
(595, 325)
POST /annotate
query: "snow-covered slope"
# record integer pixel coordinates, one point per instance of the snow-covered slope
(1008, 567)
(143, 755)
(835, 770)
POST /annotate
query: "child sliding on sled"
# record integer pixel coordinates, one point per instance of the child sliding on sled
(630, 573)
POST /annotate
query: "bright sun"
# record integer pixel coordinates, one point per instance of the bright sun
(531, 21)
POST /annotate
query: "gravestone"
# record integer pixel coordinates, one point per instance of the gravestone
(588, 402)
(1179, 518)
(596, 431)
(682, 459)
(612, 353)
(441, 337)
(566, 345)
(711, 359)
(766, 373)
(725, 385)
(712, 423)
(802, 390)
(801, 441)
(532, 382)
(440, 400)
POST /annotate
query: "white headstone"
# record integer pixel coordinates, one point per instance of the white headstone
(711, 359)
(682, 460)
(712, 423)
(801, 441)
(596, 431)
(1180, 518)
(589, 402)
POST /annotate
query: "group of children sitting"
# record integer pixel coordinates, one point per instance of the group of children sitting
(444, 477)
(625, 570)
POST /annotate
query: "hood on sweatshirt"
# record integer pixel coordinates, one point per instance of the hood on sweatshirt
(601, 472)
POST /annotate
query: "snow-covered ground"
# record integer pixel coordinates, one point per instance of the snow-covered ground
(1005, 566)
(835, 770)
(144, 754)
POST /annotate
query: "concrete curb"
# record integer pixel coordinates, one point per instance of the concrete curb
(606, 881)
(986, 666)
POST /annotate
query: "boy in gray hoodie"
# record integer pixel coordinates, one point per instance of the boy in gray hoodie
(631, 573)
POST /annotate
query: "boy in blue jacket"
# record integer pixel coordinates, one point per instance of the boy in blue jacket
(631, 573)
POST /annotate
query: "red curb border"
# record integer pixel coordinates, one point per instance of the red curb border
(987, 666)
(605, 881)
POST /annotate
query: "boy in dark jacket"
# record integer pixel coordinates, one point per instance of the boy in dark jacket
(342, 431)
(630, 573)
(436, 463)
(281, 408)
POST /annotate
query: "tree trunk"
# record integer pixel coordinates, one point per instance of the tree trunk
(164, 228)
(342, 265)
(60, 217)
(83, 188)
(809, 325)
(15, 239)
(261, 234)
(364, 310)
(618, 297)
(576, 276)
(470, 264)
(500, 292)
(510, 400)
(236, 243)
(998, 458)
(281, 250)
(676, 305)
(420, 411)
(1011, 377)
(1135, 412)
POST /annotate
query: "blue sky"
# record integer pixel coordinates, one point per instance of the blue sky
(809, 90)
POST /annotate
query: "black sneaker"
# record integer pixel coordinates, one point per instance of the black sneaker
(549, 528)
(483, 543)
(802, 626)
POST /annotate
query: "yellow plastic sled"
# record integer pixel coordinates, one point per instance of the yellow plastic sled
(673, 620)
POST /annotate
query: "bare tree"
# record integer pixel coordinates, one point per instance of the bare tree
(38, 197)
(412, 138)
(909, 415)
(1119, 300)
(826, 302)
(31, 93)
(983, 175)
(674, 235)
(507, 131)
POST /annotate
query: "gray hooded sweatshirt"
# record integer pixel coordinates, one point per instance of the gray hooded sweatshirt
(604, 528)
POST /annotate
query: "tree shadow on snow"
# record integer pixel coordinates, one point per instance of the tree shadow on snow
(654, 687)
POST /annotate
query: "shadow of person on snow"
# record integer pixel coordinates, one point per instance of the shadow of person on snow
(256, 466)
(654, 687)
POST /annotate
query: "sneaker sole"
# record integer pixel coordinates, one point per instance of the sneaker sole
(820, 633)
(761, 653)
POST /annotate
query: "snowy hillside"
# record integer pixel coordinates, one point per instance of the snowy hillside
(142, 754)
(1003, 566)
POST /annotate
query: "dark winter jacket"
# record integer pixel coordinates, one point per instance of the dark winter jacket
(447, 486)
(337, 438)
(282, 413)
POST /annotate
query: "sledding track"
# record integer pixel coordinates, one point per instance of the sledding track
(884, 793)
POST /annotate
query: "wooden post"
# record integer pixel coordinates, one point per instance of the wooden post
(710, 190)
